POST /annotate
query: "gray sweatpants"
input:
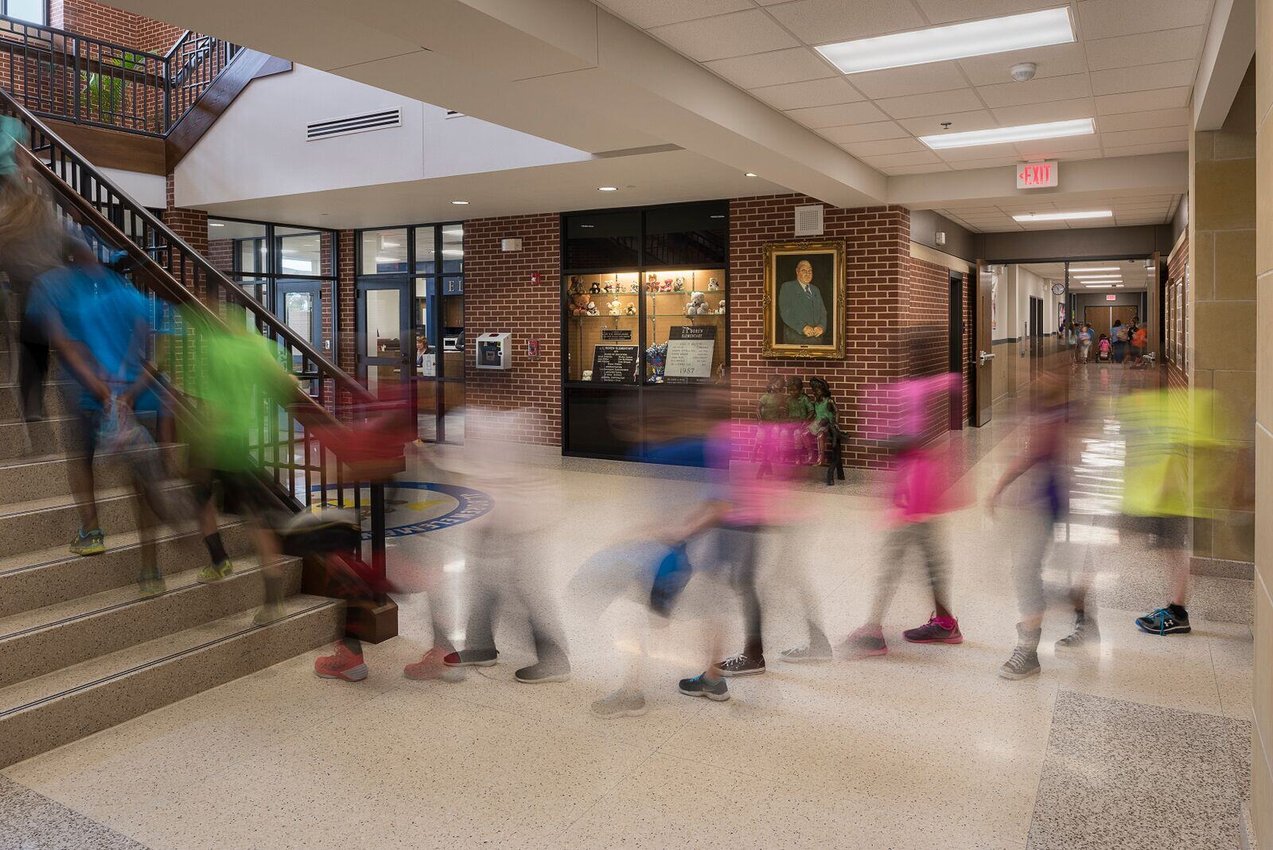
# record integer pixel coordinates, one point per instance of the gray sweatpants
(926, 536)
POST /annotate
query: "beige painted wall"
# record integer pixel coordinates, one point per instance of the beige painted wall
(1221, 317)
(1262, 762)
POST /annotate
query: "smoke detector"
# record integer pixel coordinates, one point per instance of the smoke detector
(1023, 72)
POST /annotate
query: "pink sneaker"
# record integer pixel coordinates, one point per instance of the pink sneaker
(866, 642)
(342, 664)
(936, 630)
(430, 667)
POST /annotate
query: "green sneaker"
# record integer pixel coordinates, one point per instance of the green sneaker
(151, 585)
(215, 572)
(90, 543)
(268, 613)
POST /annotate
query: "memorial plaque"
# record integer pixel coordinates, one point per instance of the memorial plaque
(616, 334)
(690, 351)
(614, 364)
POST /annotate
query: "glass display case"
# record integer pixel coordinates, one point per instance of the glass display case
(684, 325)
(602, 326)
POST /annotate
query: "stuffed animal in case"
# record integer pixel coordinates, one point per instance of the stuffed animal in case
(592, 308)
(631, 311)
(616, 307)
(595, 289)
(579, 304)
(720, 308)
(697, 305)
(713, 285)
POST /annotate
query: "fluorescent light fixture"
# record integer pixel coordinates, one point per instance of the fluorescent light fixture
(607, 188)
(461, 203)
(955, 41)
(1098, 285)
(750, 174)
(1096, 269)
(1004, 135)
(1102, 276)
(215, 224)
(587, 226)
(1064, 216)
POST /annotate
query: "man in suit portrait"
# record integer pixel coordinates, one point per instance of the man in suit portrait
(801, 309)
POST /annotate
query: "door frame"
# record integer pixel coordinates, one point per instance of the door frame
(981, 352)
(404, 360)
(956, 360)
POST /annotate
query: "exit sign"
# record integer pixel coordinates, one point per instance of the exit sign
(1111, 297)
(1037, 175)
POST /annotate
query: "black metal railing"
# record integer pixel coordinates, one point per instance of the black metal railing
(305, 471)
(84, 80)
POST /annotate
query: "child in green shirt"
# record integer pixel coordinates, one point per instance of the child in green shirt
(825, 426)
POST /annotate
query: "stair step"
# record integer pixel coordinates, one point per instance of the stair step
(59, 707)
(43, 523)
(25, 479)
(51, 436)
(60, 399)
(37, 642)
(35, 579)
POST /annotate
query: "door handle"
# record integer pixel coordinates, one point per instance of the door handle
(984, 357)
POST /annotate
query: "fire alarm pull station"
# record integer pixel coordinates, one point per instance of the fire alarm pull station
(493, 351)
(532, 348)
(535, 278)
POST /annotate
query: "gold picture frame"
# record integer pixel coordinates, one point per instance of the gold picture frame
(795, 300)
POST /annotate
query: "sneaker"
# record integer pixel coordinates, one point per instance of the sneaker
(699, 686)
(621, 703)
(1165, 622)
(1023, 664)
(88, 543)
(268, 613)
(806, 654)
(936, 630)
(151, 585)
(342, 664)
(544, 671)
(471, 658)
(431, 666)
(212, 573)
(741, 665)
(864, 643)
(1085, 634)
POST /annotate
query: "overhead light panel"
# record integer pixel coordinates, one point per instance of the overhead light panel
(1064, 216)
(607, 188)
(955, 41)
(1005, 135)
(1098, 286)
(750, 174)
(461, 203)
(1096, 269)
(215, 224)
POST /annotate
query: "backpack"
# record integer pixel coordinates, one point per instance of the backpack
(1120, 335)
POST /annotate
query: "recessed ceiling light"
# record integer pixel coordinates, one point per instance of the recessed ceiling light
(1074, 270)
(587, 226)
(215, 224)
(607, 188)
(751, 174)
(1004, 135)
(461, 203)
(1098, 285)
(955, 41)
(718, 215)
(1063, 216)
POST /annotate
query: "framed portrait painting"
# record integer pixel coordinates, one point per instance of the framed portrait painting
(804, 300)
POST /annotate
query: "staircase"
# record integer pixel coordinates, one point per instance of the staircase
(80, 649)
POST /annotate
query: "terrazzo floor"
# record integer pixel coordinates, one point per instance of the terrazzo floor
(923, 747)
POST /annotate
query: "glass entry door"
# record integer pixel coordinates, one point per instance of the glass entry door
(299, 305)
(386, 350)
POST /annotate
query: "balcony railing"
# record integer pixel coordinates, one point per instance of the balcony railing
(84, 80)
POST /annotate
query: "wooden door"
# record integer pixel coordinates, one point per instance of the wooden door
(1100, 320)
(982, 353)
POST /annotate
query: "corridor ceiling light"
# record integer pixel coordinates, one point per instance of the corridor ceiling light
(1064, 216)
(751, 174)
(216, 224)
(1004, 135)
(461, 203)
(1074, 270)
(607, 188)
(954, 41)
(1098, 286)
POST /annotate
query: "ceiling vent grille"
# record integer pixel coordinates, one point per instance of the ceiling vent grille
(452, 113)
(808, 220)
(366, 122)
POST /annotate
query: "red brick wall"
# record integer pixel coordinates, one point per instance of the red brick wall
(498, 296)
(107, 23)
(347, 293)
(877, 243)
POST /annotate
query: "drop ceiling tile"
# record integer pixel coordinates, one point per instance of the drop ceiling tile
(1142, 120)
(1143, 101)
(1141, 78)
(1036, 91)
(982, 152)
(737, 34)
(770, 69)
(1052, 148)
(1145, 136)
(884, 146)
(827, 92)
(863, 132)
(1074, 156)
(1146, 49)
(914, 169)
(1145, 150)
(916, 79)
(653, 13)
(978, 119)
(1057, 60)
(1039, 113)
(827, 21)
(948, 11)
(1006, 163)
(818, 117)
(1108, 18)
(935, 103)
(913, 158)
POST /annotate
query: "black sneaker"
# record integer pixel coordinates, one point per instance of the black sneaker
(699, 686)
(1165, 621)
(741, 665)
(544, 671)
(471, 658)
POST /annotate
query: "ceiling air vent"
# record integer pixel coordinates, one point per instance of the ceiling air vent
(451, 113)
(809, 220)
(381, 120)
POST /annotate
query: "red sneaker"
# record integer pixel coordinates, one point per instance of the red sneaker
(431, 666)
(936, 630)
(342, 664)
